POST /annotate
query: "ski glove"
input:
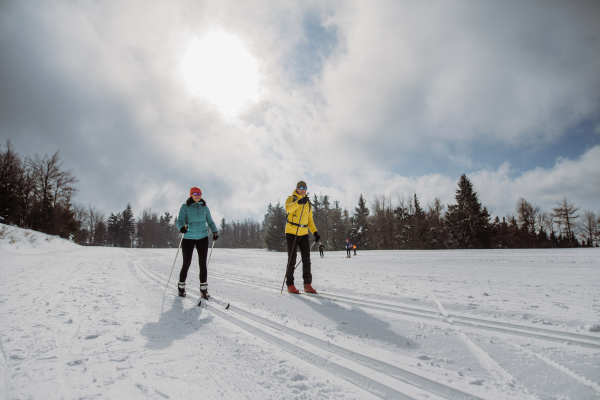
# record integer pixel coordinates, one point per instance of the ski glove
(215, 236)
(317, 236)
(303, 200)
(183, 229)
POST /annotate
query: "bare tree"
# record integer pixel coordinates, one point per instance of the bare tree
(565, 216)
(545, 222)
(93, 218)
(588, 226)
(51, 186)
(527, 215)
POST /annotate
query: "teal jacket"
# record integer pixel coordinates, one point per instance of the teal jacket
(195, 216)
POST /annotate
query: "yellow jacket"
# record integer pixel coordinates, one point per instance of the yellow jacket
(294, 210)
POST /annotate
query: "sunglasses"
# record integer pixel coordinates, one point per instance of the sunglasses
(304, 188)
(196, 194)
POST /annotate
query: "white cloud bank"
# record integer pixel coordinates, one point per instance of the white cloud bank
(407, 80)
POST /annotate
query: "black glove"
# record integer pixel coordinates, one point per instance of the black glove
(303, 200)
(215, 236)
(317, 236)
(183, 229)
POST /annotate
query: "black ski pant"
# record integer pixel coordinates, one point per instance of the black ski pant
(320, 253)
(187, 249)
(348, 251)
(301, 242)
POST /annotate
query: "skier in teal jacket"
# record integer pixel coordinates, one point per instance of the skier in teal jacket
(193, 217)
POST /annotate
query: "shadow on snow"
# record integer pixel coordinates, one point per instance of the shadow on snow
(174, 324)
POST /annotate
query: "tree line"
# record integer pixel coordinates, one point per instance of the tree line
(404, 224)
(36, 193)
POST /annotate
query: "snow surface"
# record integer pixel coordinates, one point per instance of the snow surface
(88, 322)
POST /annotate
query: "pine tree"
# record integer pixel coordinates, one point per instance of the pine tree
(127, 227)
(114, 228)
(274, 233)
(419, 227)
(467, 223)
(337, 229)
(359, 233)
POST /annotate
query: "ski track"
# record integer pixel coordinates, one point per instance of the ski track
(297, 379)
(536, 332)
(75, 342)
(313, 359)
(545, 376)
(376, 364)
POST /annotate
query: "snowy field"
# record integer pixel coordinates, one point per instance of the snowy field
(83, 322)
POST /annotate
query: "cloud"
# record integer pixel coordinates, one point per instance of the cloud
(578, 180)
(508, 73)
(372, 98)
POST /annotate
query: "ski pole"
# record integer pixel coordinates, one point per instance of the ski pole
(293, 247)
(211, 249)
(168, 281)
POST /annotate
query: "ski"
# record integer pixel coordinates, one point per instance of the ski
(211, 299)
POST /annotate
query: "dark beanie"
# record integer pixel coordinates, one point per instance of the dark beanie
(301, 184)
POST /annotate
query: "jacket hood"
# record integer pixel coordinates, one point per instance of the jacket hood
(191, 201)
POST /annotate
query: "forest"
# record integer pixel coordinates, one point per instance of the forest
(37, 193)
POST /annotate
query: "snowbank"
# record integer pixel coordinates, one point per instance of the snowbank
(26, 241)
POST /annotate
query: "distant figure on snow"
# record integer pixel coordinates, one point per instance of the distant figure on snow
(321, 250)
(193, 217)
(299, 222)
(348, 247)
(354, 247)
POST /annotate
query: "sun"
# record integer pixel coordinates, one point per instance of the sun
(220, 69)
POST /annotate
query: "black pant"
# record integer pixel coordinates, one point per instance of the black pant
(347, 251)
(187, 249)
(321, 251)
(301, 242)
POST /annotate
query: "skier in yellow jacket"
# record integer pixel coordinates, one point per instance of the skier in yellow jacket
(299, 222)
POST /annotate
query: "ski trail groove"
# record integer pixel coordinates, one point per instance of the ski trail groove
(355, 378)
(504, 327)
(373, 364)
(484, 358)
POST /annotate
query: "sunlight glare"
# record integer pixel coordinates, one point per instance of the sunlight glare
(219, 68)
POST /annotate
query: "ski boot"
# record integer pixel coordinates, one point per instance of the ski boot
(181, 288)
(292, 289)
(309, 289)
(204, 291)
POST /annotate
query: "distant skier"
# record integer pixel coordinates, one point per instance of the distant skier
(299, 222)
(321, 250)
(354, 248)
(192, 220)
(348, 248)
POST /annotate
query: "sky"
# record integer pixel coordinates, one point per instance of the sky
(243, 99)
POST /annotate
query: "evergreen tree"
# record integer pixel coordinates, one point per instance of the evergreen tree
(274, 233)
(359, 233)
(337, 235)
(419, 227)
(100, 234)
(127, 227)
(114, 228)
(467, 223)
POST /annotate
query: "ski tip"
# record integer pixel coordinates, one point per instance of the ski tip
(200, 303)
(227, 308)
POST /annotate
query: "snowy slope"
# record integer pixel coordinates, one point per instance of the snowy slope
(90, 322)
